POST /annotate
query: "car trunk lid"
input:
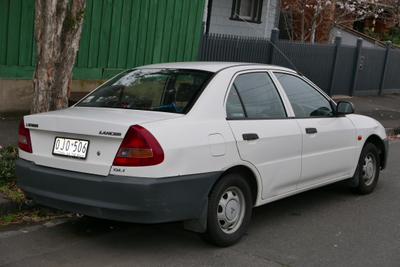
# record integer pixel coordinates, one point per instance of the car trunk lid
(103, 128)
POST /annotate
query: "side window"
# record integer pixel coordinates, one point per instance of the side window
(306, 101)
(253, 95)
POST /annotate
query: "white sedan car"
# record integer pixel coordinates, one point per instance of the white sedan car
(198, 142)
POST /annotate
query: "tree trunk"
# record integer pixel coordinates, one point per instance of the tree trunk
(58, 27)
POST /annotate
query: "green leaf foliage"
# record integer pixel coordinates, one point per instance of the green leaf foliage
(71, 21)
(8, 156)
(393, 35)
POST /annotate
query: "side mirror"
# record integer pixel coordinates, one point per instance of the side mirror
(344, 107)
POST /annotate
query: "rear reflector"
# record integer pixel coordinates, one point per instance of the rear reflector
(139, 148)
(24, 138)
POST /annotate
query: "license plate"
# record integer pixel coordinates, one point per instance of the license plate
(73, 148)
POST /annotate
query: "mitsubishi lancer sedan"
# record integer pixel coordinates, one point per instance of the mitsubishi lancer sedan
(197, 142)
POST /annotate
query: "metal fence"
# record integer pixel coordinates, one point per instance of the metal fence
(337, 69)
(220, 47)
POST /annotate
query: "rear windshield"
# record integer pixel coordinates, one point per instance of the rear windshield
(164, 90)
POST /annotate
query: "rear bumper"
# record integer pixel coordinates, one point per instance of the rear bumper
(121, 198)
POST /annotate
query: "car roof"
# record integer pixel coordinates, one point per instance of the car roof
(212, 66)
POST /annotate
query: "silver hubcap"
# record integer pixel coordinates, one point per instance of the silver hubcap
(369, 169)
(231, 209)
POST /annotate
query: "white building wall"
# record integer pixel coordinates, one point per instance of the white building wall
(221, 24)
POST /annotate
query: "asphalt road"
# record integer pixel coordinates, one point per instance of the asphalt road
(329, 226)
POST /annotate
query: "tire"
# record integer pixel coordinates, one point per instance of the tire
(368, 170)
(229, 211)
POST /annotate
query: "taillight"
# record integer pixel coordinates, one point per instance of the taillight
(139, 148)
(24, 138)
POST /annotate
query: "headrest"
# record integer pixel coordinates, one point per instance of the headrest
(185, 92)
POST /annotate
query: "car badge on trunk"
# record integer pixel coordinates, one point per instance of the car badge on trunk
(110, 133)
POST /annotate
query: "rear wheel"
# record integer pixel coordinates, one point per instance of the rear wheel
(229, 211)
(368, 170)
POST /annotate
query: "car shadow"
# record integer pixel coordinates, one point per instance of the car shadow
(275, 213)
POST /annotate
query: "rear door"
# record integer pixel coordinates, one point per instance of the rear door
(329, 142)
(266, 137)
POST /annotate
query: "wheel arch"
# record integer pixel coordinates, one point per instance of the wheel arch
(250, 178)
(199, 225)
(382, 149)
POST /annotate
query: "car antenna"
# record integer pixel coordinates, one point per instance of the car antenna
(257, 30)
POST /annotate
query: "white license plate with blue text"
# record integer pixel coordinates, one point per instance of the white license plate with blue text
(70, 147)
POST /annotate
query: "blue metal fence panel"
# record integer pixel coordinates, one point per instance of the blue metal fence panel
(368, 78)
(392, 80)
(313, 61)
(344, 70)
(221, 47)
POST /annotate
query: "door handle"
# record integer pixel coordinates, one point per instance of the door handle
(250, 136)
(311, 130)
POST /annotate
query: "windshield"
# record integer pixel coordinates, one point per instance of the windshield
(164, 90)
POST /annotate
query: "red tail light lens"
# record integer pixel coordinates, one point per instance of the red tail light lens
(139, 148)
(24, 138)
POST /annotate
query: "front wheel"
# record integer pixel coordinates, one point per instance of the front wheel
(229, 211)
(368, 170)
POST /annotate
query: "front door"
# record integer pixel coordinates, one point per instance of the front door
(329, 142)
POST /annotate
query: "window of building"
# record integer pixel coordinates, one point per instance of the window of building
(248, 10)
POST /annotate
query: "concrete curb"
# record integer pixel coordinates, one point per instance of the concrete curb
(392, 131)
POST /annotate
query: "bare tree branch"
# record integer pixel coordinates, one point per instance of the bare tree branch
(311, 15)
